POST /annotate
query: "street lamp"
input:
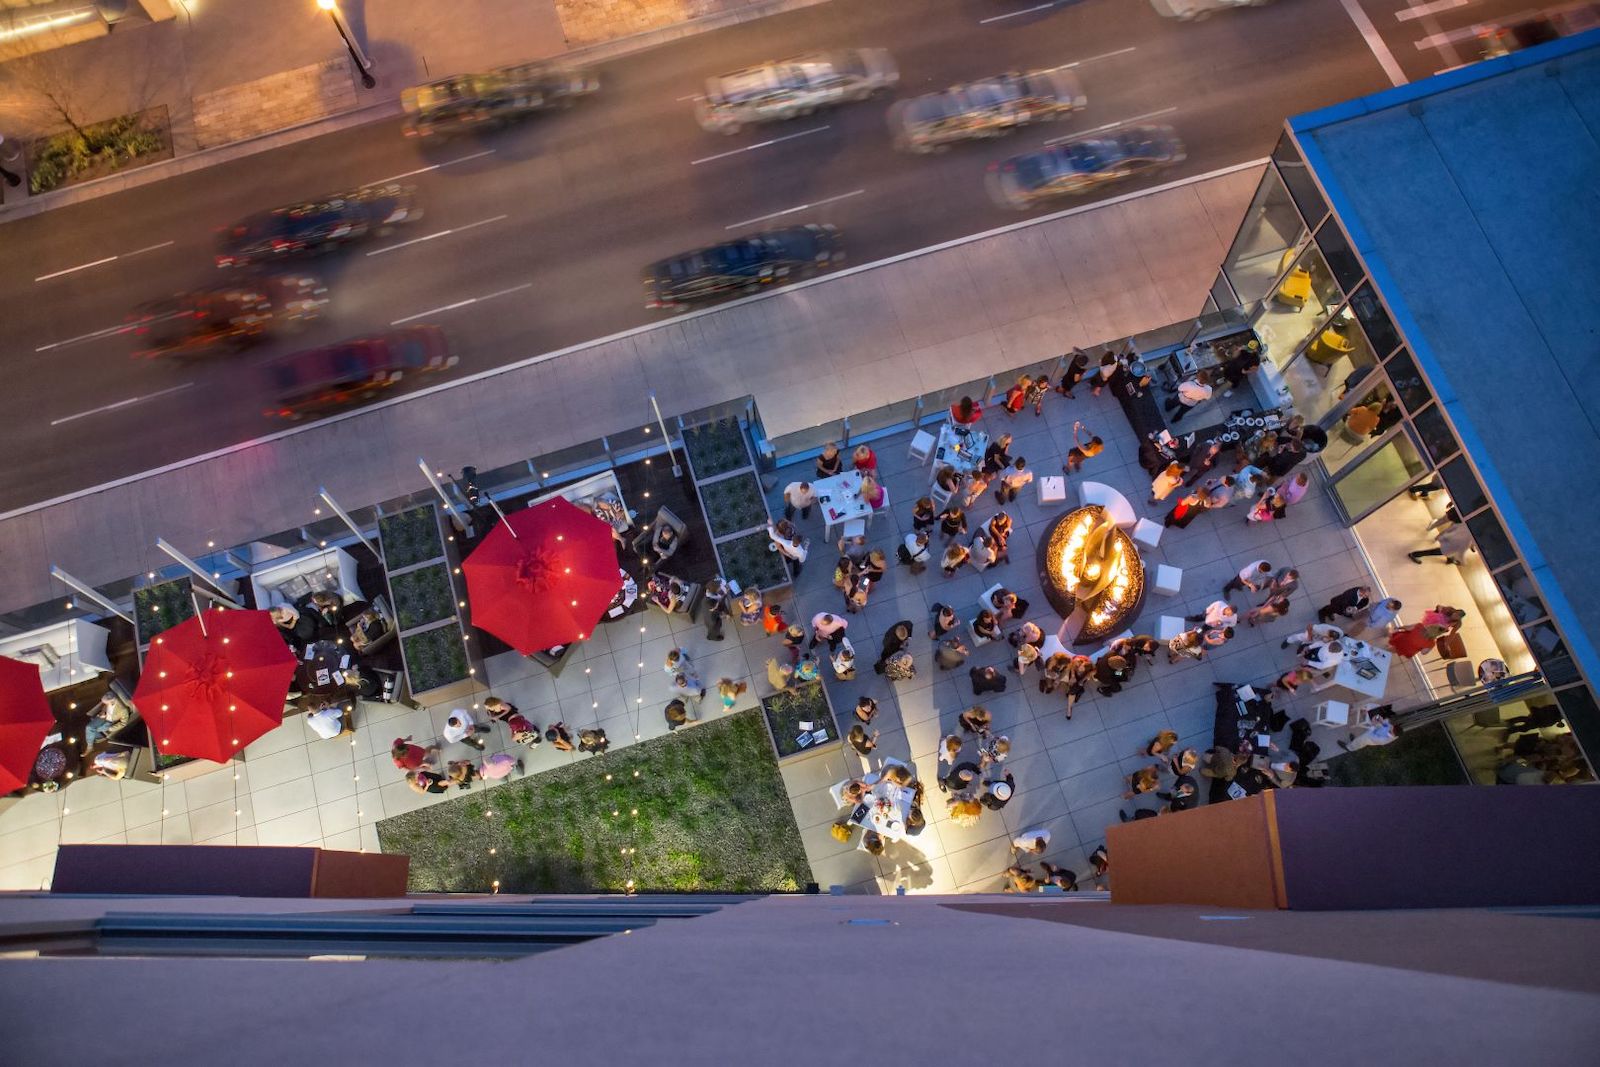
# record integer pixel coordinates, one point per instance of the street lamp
(363, 63)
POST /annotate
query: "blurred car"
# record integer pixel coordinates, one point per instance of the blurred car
(790, 87)
(991, 107)
(316, 226)
(1079, 166)
(201, 320)
(1195, 10)
(485, 101)
(1537, 28)
(745, 265)
(327, 379)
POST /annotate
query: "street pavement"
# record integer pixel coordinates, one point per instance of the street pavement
(533, 239)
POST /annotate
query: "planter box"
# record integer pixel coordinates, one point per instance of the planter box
(733, 504)
(423, 595)
(785, 711)
(410, 537)
(161, 607)
(751, 560)
(439, 666)
(715, 448)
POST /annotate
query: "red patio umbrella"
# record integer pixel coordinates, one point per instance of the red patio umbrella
(25, 720)
(544, 576)
(214, 683)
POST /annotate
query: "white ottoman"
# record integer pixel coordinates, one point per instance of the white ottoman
(1052, 489)
(1170, 626)
(1148, 533)
(1168, 579)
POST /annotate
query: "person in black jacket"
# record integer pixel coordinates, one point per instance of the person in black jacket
(1111, 672)
(1346, 604)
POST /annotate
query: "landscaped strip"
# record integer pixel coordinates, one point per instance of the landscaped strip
(706, 812)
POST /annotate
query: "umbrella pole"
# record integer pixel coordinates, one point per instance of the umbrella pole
(198, 614)
(502, 515)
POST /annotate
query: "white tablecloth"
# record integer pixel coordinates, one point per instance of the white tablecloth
(1347, 676)
(888, 807)
(962, 453)
(840, 499)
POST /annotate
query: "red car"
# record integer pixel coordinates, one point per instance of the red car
(324, 380)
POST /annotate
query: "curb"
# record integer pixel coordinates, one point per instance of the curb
(369, 113)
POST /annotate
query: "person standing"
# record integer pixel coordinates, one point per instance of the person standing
(1246, 361)
(1183, 512)
(715, 605)
(1201, 462)
(829, 461)
(1218, 613)
(798, 496)
(1191, 393)
(1111, 672)
(1013, 482)
(1346, 604)
(923, 514)
(1375, 618)
(1297, 488)
(827, 627)
(461, 726)
(1082, 451)
(1454, 542)
(789, 544)
(1380, 730)
(1163, 484)
(898, 637)
(1037, 392)
(1252, 577)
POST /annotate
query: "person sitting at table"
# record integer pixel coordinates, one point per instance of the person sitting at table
(424, 781)
(112, 763)
(559, 736)
(872, 843)
(864, 460)
(975, 720)
(666, 593)
(872, 494)
(948, 479)
(297, 631)
(664, 541)
(854, 791)
(829, 462)
(986, 627)
(964, 413)
(328, 721)
(461, 726)
(109, 716)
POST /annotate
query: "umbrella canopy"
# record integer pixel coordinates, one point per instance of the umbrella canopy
(214, 683)
(544, 576)
(25, 720)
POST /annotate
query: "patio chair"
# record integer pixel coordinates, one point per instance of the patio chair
(646, 541)
(922, 445)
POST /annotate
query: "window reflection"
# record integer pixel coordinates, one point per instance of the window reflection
(1373, 318)
(1435, 433)
(1341, 257)
(1368, 419)
(1414, 392)
(1379, 476)
(1519, 593)
(1551, 652)
(1335, 357)
(1493, 544)
(1297, 176)
(1465, 492)
(1271, 229)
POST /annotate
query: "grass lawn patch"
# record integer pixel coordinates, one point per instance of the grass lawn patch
(713, 816)
(1423, 756)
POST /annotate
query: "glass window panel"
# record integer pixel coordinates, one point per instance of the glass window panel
(1347, 269)
(1353, 432)
(1265, 242)
(1379, 476)
(1334, 356)
(1493, 543)
(1373, 318)
(1297, 176)
(1462, 485)
(1582, 714)
(1520, 595)
(1222, 294)
(1300, 303)
(1407, 379)
(1435, 433)
(1551, 652)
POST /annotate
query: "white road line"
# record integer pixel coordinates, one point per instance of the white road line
(461, 304)
(1417, 11)
(103, 262)
(758, 144)
(1369, 33)
(691, 96)
(1014, 14)
(1094, 59)
(107, 332)
(424, 170)
(1111, 125)
(792, 210)
(1447, 38)
(433, 236)
(121, 404)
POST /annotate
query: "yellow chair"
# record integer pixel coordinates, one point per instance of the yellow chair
(1329, 346)
(1296, 289)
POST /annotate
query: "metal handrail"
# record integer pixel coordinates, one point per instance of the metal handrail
(1480, 698)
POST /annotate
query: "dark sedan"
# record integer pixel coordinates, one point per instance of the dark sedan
(1079, 166)
(743, 266)
(315, 226)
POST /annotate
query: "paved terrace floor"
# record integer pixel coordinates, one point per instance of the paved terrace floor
(850, 342)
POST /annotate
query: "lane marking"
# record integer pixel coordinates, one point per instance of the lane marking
(103, 262)
(676, 321)
(424, 170)
(1449, 37)
(1094, 59)
(1418, 11)
(758, 144)
(1014, 14)
(461, 304)
(1111, 125)
(107, 332)
(792, 210)
(435, 236)
(121, 404)
(691, 96)
(1369, 33)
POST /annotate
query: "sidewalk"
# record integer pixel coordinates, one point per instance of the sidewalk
(231, 70)
(849, 342)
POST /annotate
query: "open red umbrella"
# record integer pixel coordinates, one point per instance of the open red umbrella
(25, 720)
(214, 683)
(544, 576)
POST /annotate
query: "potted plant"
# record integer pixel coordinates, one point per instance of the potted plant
(423, 595)
(410, 537)
(438, 665)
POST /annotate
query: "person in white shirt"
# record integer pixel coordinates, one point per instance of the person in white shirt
(1191, 393)
(1013, 482)
(798, 496)
(460, 726)
(1375, 617)
(327, 721)
(1033, 842)
(1218, 614)
(1322, 655)
(1252, 577)
(1379, 731)
(789, 544)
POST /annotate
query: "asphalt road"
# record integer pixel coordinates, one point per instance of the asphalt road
(533, 238)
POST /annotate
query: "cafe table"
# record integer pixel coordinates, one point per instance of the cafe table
(964, 452)
(840, 500)
(1347, 673)
(326, 668)
(887, 810)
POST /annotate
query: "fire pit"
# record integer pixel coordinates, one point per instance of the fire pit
(1090, 565)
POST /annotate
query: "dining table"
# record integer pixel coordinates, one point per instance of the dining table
(886, 809)
(961, 450)
(326, 668)
(840, 500)
(1363, 670)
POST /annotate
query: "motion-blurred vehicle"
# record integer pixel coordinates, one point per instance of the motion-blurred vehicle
(316, 226)
(200, 321)
(1537, 28)
(327, 379)
(745, 265)
(797, 86)
(1079, 166)
(990, 107)
(1195, 10)
(471, 102)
